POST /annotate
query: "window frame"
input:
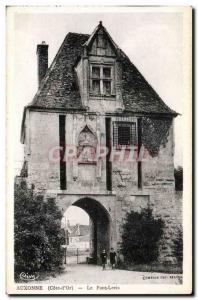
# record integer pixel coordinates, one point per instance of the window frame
(133, 138)
(101, 79)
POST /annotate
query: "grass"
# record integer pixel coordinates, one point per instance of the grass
(161, 268)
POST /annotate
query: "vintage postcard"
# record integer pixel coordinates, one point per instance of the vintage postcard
(99, 162)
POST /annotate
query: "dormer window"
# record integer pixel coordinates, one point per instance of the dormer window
(101, 80)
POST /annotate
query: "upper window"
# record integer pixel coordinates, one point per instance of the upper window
(124, 134)
(101, 80)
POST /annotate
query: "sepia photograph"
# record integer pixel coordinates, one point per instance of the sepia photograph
(99, 160)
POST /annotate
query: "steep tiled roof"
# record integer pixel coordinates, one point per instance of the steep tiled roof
(59, 88)
(138, 95)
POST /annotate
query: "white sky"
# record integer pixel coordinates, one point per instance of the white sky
(153, 42)
(76, 215)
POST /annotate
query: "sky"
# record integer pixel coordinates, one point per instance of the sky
(152, 40)
(76, 215)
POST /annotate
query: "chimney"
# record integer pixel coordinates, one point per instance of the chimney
(42, 59)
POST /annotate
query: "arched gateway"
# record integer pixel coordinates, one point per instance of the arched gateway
(101, 212)
(100, 226)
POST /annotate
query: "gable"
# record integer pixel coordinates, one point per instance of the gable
(101, 45)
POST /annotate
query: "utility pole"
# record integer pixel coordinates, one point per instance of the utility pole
(65, 255)
(66, 240)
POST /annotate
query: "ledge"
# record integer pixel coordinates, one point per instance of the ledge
(66, 192)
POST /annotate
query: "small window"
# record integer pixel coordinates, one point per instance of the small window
(124, 134)
(107, 87)
(107, 72)
(96, 87)
(101, 80)
(95, 72)
(124, 137)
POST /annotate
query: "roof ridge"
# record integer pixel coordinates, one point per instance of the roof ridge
(78, 33)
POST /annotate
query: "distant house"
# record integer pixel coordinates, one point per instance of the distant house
(79, 236)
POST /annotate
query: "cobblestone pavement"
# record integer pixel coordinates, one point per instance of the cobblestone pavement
(85, 274)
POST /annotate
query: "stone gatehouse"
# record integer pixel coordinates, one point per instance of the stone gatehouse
(98, 136)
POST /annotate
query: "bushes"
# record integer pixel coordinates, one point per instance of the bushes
(178, 174)
(141, 234)
(37, 233)
(178, 246)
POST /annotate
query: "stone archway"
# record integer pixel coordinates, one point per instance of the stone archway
(100, 222)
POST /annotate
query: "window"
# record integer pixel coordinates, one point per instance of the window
(107, 88)
(96, 86)
(124, 134)
(96, 72)
(107, 72)
(101, 82)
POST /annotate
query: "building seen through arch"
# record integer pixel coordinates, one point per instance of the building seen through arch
(91, 238)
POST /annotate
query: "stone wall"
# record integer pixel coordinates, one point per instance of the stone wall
(43, 136)
(157, 175)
